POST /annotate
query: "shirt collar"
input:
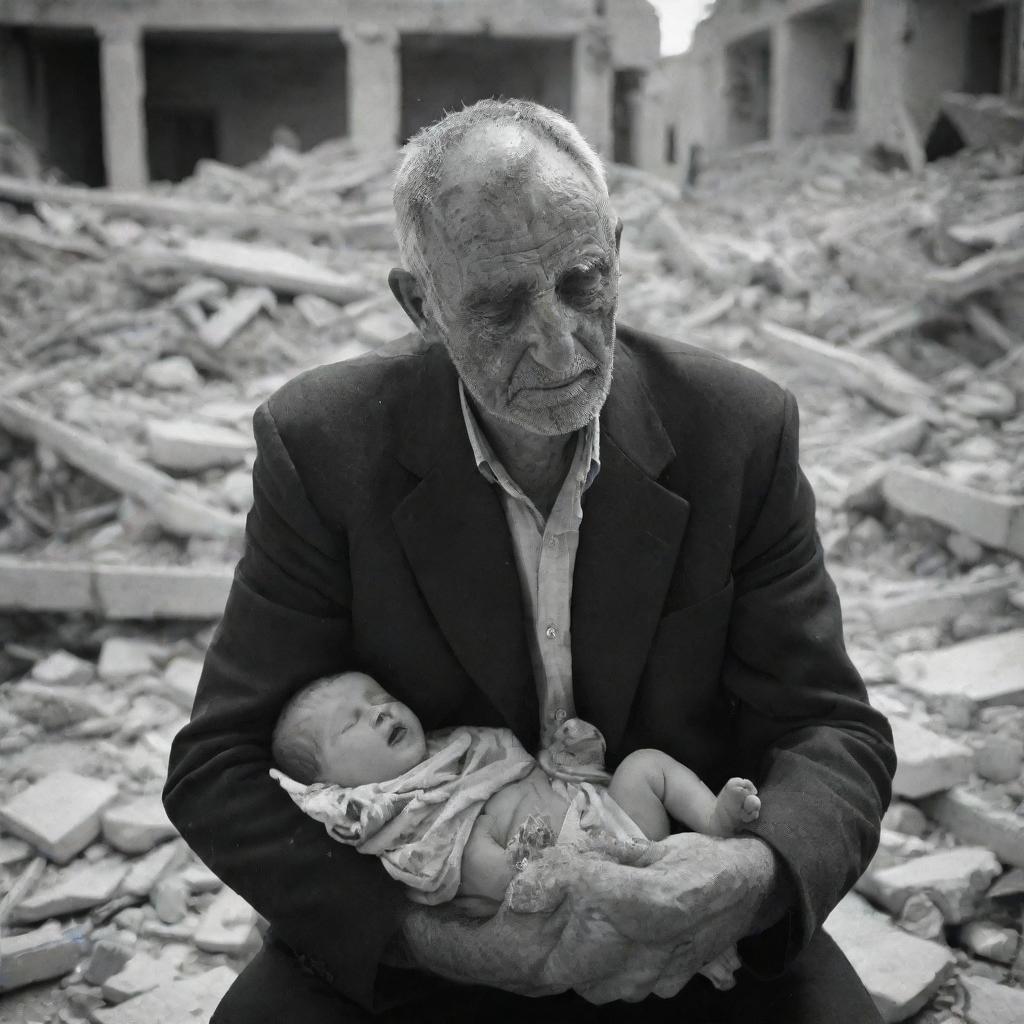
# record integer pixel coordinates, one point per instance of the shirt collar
(493, 471)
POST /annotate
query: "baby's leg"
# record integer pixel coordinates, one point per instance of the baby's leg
(649, 786)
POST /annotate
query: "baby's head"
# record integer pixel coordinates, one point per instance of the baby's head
(348, 730)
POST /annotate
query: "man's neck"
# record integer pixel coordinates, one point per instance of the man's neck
(538, 463)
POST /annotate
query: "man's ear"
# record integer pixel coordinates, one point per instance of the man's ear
(618, 233)
(407, 290)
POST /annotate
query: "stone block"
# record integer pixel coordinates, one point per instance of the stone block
(176, 1002)
(997, 757)
(60, 814)
(173, 373)
(181, 680)
(109, 957)
(124, 658)
(52, 707)
(147, 871)
(927, 762)
(988, 1002)
(988, 670)
(13, 851)
(63, 669)
(38, 955)
(79, 888)
(189, 446)
(955, 880)
(921, 917)
(900, 971)
(986, 939)
(138, 826)
(974, 819)
(169, 898)
(227, 926)
(141, 974)
(199, 878)
(905, 818)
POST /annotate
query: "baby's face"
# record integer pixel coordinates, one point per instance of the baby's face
(366, 735)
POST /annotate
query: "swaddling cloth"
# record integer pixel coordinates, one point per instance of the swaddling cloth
(419, 823)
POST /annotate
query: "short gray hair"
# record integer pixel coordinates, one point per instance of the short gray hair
(426, 152)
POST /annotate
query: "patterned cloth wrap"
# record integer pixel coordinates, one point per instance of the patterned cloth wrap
(419, 823)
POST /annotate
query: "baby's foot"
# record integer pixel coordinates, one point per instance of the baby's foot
(737, 804)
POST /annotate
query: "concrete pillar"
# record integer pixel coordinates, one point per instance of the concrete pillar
(881, 71)
(781, 82)
(1017, 51)
(592, 85)
(374, 86)
(123, 87)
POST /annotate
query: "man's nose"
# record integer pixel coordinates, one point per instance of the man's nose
(550, 337)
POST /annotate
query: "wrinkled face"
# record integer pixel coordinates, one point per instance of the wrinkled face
(524, 273)
(366, 735)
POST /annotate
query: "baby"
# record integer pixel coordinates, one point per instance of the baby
(453, 813)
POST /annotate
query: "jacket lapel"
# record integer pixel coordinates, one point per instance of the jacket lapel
(629, 543)
(453, 531)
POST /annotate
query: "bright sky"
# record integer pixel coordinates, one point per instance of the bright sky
(678, 18)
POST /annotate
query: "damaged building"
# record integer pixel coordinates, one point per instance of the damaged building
(771, 71)
(121, 93)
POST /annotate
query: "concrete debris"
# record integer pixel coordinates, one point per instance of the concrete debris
(989, 1002)
(137, 827)
(228, 926)
(79, 888)
(901, 971)
(955, 880)
(927, 762)
(893, 306)
(975, 818)
(173, 1002)
(50, 951)
(189, 447)
(60, 814)
(988, 670)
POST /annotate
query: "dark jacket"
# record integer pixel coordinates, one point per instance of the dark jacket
(703, 624)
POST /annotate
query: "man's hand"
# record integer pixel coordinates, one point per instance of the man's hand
(620, 921)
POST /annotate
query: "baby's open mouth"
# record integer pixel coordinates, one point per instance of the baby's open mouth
(396, 735)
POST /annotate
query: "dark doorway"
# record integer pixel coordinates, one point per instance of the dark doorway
(844, 98)
(985, 34)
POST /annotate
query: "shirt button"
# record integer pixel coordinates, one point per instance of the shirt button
(551, 632)
(560, 715)
(552, 542)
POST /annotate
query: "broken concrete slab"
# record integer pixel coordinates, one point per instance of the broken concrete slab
(138, 826)
(141, 974)
(988, 670)
(175, 1002)
(169, 898)
(997, 757)
(115, 592)
(60, 814)
(181, 680)
(175, 509)
(878, 379)
(145, 873)
(901, 971)
(902, 435)
(974, 819)
(173, 373)
(926, 761)
(187, 446)
(13, 851)
(235, 313)
(78, 888)
(955, 880)
(52, 707)
(109, 957)
(124, 658)
(199, 878)
(993, 519)
(38, 955)
(988, 1002)
(63, 669)
(227, 926)
(987, 939)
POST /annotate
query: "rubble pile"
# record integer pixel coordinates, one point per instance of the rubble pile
(139, 332)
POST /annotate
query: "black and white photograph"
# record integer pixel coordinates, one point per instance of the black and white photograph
(511, 510)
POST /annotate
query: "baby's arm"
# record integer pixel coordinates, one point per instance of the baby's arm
(649, 786)
(486, 866)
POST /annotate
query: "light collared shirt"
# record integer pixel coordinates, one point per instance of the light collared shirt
(545, 551)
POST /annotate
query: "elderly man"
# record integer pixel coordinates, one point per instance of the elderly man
(504, 532)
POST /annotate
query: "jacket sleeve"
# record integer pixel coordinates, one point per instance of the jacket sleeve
(822, 756)
(286, 622)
